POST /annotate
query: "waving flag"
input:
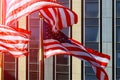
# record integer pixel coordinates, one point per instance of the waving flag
(58, 43)
(18, 8)
(13, 40)
(59, 18)
(54, 13)
(3, 11)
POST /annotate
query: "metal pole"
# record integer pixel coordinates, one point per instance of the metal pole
(41, 55)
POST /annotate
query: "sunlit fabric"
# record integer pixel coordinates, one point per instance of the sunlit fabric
(59, 18)
(14, 40)
(59, 43)
(55, 14)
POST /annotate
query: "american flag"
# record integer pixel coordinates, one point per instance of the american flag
(18, 8)
(14, 40)
(50, 11)
(59, 18)
(58, 43)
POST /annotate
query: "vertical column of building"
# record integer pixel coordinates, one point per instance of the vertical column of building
(76, 34)
(48, 75)
(22, 60)
(107, 32)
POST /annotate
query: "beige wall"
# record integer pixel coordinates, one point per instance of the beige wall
(22, 60)
(76, 32)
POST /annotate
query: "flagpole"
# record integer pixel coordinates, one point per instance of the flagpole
(41, 55)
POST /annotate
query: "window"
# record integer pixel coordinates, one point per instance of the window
(62, 67)
(62, 62)
(118, 9)
(91, 9)
(117, 39)
(64, 2)
(10, 67)
(91, 21)
(33, 59)
(91, 34)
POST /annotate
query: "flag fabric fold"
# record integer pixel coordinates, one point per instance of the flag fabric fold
(14, 40)
(19, 8)
(55, 14)
(59, 43)
(59, 18)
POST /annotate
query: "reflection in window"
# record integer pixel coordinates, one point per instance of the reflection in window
(91, 9)
(33, 55)
(118, 59)
(118, 39)
(62, 62)
(90, 77)
(89, 72)
(118, 34)
(91, 34)
(118, 21)
(34, 34)
(62, 67)
(9, 67)
(118, 72)
(91, 0)
(62, 76)
(92, 45)
(64, 3)
(34, 76)
(118, 46)
(33, 72)
(118, 9)
(91, 28)
(62, 59)
(91, 21)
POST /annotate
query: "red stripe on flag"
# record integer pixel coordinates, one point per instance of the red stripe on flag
(14, 41)
(68, 46)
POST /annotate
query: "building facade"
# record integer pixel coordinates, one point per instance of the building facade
(98, 28)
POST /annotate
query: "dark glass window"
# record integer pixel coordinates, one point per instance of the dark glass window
(117, 39)
(92, 45)
(92, 0)
(62, 62)
(118, 59)
(91, 34)
(33, 59)
(62, 67)
(118, 9)
(118, 72)
(91, 21)
(91, 9)
(91, 31)
(90, 77)
(9, 67)
(118, 21)
(118, 34)
(62, 59)
(62, 76)
(64, 2)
